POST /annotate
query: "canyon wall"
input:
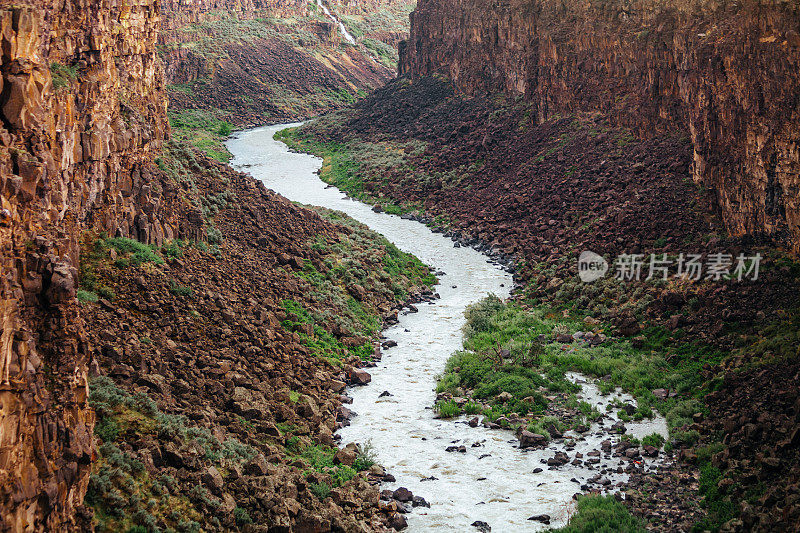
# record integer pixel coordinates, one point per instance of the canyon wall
(83, 111)
(726, 74)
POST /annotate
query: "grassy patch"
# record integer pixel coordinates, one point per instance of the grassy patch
(346, 165)
(601, 514)
(716, 502)
(134, 251)
(63, 75)
(205, 130)
(180, 290)
(355, 264)
(447, 409)
(86, 296)
(512, 349)
(121, 492)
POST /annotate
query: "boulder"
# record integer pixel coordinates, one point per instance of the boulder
(419, 501)
(528, 439)
(505, 396)
(213, 479)
(397, 522)
(347, 455)
(257, 466)
(560, 458)
(543, 518)
(359, 377)
(481, 526)
(402, 494)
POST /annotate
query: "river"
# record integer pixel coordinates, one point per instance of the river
(494, 481)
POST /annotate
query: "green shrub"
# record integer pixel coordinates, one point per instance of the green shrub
(63, 75)
(539, 428)
(134, 251)
(601, 514)
(447, 409)
(654, 439)
(86, 296)
(214, 235)
(472, 408)
(242, 516)
(719, 506)
(172, 249)
(225, 129)
(479, 314)
(107, 429)
(320, 490)
(180, 290)
(365, 458)
(685, 438)
(105, 292)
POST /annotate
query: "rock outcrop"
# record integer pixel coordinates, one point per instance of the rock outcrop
(83, 110)
(725, 73)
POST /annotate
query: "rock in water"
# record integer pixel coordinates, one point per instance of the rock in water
(543, 518)
(359, 377)
(481, 526)
(528, 439)
(403, 495)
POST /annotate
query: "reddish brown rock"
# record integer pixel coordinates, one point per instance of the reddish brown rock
(649, 68)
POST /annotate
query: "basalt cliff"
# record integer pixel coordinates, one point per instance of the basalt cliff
(725, 73)
(83, 110)
(157, 360)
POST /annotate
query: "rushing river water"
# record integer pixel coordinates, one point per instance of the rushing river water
(493, 481)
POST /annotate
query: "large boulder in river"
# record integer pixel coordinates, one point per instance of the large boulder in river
(397, 522)
(529, 440)
(403, 495)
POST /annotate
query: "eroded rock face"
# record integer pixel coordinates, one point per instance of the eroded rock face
(83, 113)
(725, 74)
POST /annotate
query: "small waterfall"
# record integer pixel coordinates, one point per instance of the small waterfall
(350, 39)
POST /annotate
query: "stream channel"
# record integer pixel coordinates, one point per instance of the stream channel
(492, 482)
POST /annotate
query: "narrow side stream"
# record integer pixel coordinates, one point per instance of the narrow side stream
(342, 28)
(493, 481)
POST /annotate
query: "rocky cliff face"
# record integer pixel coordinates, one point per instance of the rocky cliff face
(726, 74)
(83, 111)
(84, 158)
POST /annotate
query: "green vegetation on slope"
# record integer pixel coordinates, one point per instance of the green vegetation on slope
(359, 264)
(204, 130)
(601, 514)
(124, 496)
(345, 165)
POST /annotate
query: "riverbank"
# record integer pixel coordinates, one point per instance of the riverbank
(544, 193)
(219, 359)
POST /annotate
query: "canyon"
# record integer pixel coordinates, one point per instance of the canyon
(176, 340)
